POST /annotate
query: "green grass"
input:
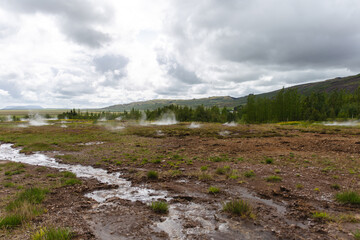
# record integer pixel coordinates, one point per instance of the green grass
(15, 172)
(204, 176)
(152, 175)
(204, 168)
(335, 186)
(222, 158)
(249, 174)
(350, 197)
(9, 184)
(273, 178)
(238, 207)
(30, 195)
(24, 207)
(269, 160)
(71, 181)
(159, 207)
(68, 174)
(222, 170)
(213, 190)
(52, 233)
(321, 216)
(11, 221)
(357, 234)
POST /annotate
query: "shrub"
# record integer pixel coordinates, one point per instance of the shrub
(152, 175)
(273, 178)
(52, 234)
(348, 197)
(249, 174)
(238, 207)
(213, 190)
(159, 207)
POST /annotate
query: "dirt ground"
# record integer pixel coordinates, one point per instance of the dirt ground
(313, 164)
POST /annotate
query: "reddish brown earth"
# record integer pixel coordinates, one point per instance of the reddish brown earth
(309, 163)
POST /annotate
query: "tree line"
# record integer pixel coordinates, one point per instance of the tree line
(289, 105)
(286, 105)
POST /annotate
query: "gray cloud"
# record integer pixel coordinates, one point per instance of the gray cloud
(8, 82)
(113, 67)
(108, 63)
(273, 34)
(77, 17)
(176, 70)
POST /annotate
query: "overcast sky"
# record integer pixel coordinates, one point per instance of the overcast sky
(88, 53)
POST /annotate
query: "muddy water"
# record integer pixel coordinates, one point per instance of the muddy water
(184, 221)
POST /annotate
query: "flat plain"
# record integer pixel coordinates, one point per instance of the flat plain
(293, 177)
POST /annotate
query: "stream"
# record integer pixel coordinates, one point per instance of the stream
(210, 224)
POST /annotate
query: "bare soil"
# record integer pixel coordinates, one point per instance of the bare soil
(309, 161)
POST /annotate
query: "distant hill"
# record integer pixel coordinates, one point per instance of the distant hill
(350, 84)
(26, 107)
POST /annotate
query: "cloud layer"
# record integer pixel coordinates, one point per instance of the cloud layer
(94, 54)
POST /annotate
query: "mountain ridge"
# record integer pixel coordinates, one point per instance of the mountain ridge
(350, 84)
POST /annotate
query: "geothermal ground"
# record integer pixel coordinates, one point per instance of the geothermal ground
(288, 174)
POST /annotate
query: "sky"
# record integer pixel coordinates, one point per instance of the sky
(89, 54)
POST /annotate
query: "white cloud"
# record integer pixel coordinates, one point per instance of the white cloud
(93, 54)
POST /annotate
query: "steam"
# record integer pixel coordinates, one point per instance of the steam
(194, 125)
(345, 124)
(230, 124)
(224, 133)
(143, 121)
(166, 119)
(118, 118)
(37, 120)
(159, 133)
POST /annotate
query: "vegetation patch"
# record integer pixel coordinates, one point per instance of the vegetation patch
(357, 234)
(152, 175)
(52, 233)
(350, 197)
(238, 207)
(322, 216)
(25, 207)
(160, 207)
(11, 221)
(222, 170)
(273, 178)
(249, 174)
(213, 190)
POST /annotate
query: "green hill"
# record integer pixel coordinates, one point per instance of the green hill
(350, 84)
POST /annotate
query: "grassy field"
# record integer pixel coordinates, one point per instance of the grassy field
(313, 171)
